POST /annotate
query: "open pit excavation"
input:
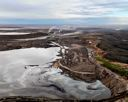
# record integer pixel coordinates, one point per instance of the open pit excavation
(63, 50)
(34, 75)
(56, 65)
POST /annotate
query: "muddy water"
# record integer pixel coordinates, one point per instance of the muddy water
(16, 78)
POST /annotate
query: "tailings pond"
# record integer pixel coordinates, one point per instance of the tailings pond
(28, 72)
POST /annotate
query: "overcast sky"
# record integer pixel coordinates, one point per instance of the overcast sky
(63, 11)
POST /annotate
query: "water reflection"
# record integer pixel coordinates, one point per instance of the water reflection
(14, 33)
(14, 61)
(42, 80)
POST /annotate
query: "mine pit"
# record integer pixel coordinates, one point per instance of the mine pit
(33, 72)
(55, 68)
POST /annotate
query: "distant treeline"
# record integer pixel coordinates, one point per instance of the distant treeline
(116, 45)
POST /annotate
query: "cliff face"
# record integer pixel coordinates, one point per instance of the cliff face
(81, 64)
(113, 81)
(77, 62)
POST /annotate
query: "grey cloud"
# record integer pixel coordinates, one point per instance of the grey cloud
(101, 8)
(61, 8)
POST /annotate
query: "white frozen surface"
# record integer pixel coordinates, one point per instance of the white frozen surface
(9, 29)
(42, 80)
(14, 33)
(14, 61)
(46, 77)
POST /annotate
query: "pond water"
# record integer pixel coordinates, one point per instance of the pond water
(9, 29)
(35, 38)
(17, 78)
(14, 33)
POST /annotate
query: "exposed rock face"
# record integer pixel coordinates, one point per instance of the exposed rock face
(77, 62)
(113, 81)
(87, 69)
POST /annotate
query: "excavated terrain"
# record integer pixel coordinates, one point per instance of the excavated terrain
(78, 60)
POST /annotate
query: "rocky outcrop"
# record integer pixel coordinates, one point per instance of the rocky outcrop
(82, 69)
(76, 62)
(113, 81)
(86, 76)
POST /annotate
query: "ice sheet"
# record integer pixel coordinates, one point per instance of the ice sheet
(17, 79)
